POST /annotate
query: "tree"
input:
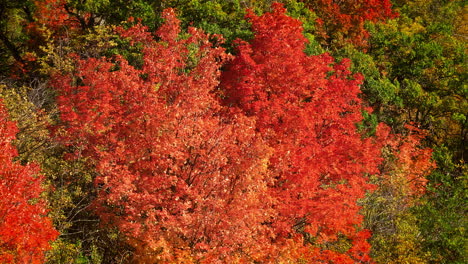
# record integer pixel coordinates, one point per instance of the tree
(25, 229)
(151, 148)
(179, 174)
(389, 210)
(343, 22)
(306, 109)
(423, 54)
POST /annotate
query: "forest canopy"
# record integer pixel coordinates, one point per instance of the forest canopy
(241, 131)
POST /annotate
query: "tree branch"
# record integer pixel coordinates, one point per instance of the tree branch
(11, 47)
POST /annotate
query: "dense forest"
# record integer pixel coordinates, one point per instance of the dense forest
(233, 131)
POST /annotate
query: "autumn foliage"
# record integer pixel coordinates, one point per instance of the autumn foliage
(343, 22)
(177, 171)
(25, 231)
(189, 154)
(281, 162)
(306, 110)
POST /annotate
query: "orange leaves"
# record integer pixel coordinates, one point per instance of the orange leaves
(306, 109)
(408, 163)
(174, 165)
(415, 162)
(51, 13)
(343, 21)
(25, 231)
(274, 172)
(169, 31)
(54, 16)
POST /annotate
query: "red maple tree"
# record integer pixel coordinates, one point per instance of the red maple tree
(178, 172)
(25, 230)
(306, 109)
(408, 163)
(272, 171)
(343, 21)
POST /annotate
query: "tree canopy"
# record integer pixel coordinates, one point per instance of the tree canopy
(251, 131)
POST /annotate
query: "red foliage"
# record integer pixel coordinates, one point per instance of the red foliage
(273, 174)
(51, 16)
(25, 231)
(344, 21)
(306, 109)
(177, 171)
(409, 163)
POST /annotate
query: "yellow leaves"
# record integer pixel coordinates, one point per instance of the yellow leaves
(53, 55)
(414, 27)
(407, 248)
(31, 123)
(63, 252)
(156, 86)
(54, 59)
(99, 40)
(461, 24)
(391, 26)
(401, 244)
